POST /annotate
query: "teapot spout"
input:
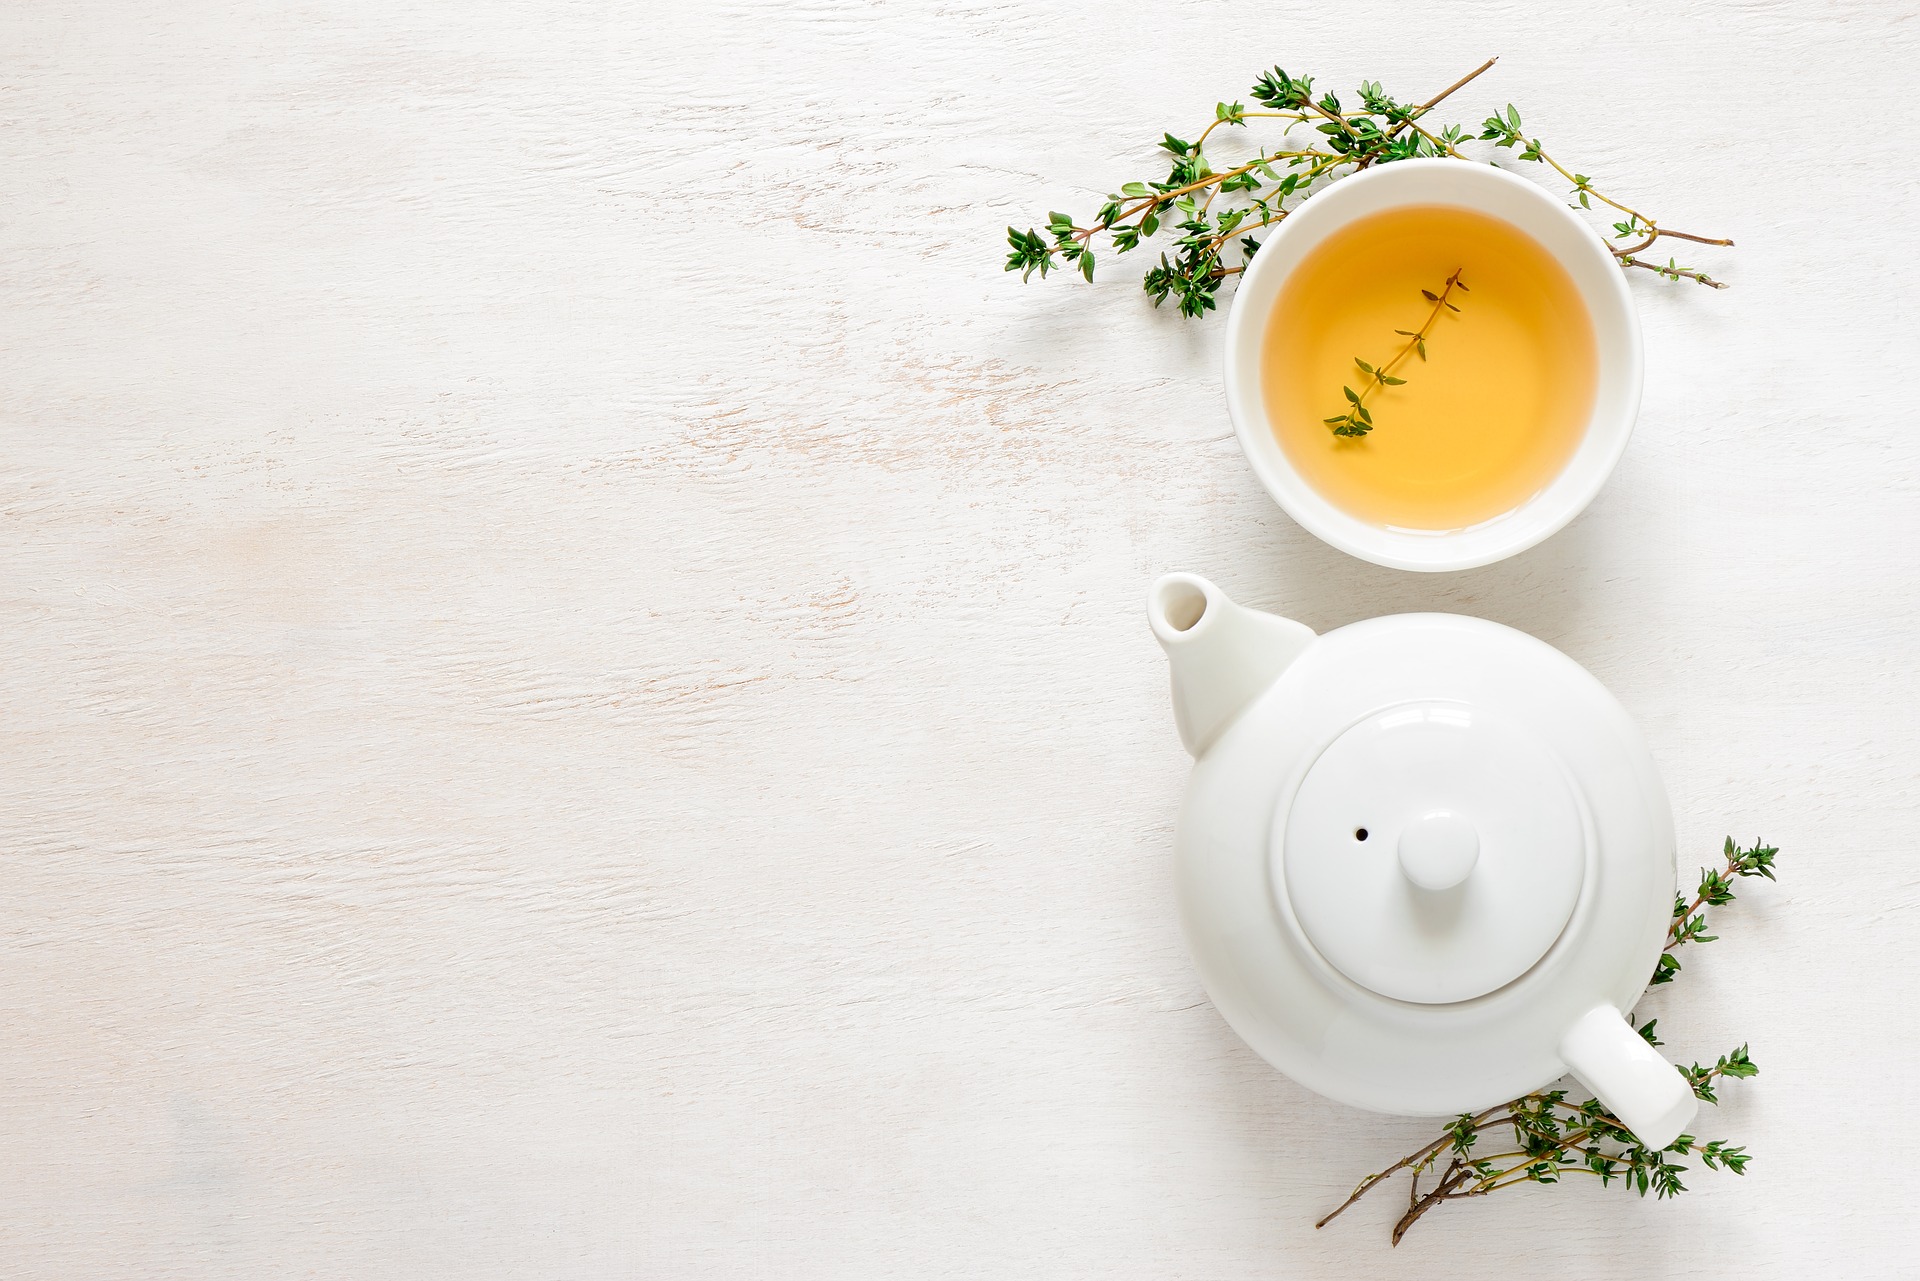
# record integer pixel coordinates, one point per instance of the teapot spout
(1222, 655)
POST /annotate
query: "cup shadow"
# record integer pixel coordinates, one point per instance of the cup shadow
(1541, 591)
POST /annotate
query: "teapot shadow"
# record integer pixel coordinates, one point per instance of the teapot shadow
(1436, 912)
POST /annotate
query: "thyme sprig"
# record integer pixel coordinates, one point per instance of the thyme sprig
(1265, 190)
(1716, 888)
(1638, 227)
(1553, 1136)
(1358, 419)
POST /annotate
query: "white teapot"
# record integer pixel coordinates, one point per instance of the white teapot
(1425, 862)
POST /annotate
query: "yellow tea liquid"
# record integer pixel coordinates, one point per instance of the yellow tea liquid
(1485, 422)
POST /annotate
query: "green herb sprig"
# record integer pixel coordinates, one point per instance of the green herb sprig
(1715, 889)
(1552, 1135)
(1264, 190)
(1358, 419)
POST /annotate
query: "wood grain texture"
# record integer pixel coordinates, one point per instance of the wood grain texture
(576, 700)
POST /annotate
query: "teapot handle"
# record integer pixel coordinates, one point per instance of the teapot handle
(1646, 1092)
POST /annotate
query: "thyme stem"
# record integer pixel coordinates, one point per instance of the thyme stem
(1480, 1122)
(1448, 92)
(1358, 419)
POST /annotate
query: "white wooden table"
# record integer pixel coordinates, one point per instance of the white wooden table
(575, 697)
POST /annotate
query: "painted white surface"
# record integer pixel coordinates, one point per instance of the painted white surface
(576, 695)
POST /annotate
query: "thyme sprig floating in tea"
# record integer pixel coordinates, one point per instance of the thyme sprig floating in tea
(1358, 419)
(1552, 1136)
(1216, 210)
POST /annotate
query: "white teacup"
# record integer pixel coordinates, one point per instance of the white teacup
(1487, 190)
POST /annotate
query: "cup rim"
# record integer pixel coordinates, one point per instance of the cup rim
(1609, 305)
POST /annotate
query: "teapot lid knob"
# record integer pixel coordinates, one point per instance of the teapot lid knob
(1438, 850)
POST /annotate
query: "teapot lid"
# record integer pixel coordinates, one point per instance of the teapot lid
(1434, 850)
